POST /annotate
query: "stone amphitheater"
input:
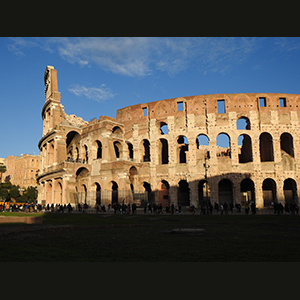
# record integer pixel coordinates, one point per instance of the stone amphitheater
(233, 148)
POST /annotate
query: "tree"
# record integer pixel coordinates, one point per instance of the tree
(31, 194)
(9, 192)
(14, 192)
(3, 194)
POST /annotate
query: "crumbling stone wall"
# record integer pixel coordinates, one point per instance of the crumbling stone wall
(270, 148)
(223, 148)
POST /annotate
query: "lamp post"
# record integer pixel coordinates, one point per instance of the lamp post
(206, 166)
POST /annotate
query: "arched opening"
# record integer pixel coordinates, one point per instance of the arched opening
(114, 193)
(163, 128)
(118, 149)
(248, 191)
(82, 173)
(203, 192)
(183, 148)
(287, 144)
(49, 193)
(58, 193)
(72, 136)
(225, 191)
(223, 143)
(269, 192)
(130, 150)
(163, 151)
(72, 145)
(202, 140)
(50, 153)
(202, 143)
(132, 172)
(290, 191)
(85, 154)
(245, 149)
(183, 193)
(163, 193)
(146, 150)
(98, 193)
(243, 123)
(99, 149)
(117, 131)
(266, 147)
(76, 154)
(149, 195)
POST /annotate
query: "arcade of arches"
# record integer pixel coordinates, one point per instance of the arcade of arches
(189, 150)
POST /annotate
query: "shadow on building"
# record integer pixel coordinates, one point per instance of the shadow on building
(230, 188)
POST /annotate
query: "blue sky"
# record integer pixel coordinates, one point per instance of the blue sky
(97, 76)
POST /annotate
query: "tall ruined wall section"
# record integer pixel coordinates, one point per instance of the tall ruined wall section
(274, 114)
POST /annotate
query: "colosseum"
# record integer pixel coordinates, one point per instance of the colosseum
(233, 148)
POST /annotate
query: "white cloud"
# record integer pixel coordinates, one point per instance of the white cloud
(94, 93)
(143, 56)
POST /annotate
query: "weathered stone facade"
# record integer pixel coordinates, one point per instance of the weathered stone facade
(167, 151)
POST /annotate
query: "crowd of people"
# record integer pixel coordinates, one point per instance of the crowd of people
(20, 207)
(148, 208)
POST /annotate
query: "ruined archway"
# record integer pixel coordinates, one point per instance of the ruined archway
(98, 193)
(49, 193)
(58, 193)
(82, 172)
(163, 127)
(114, 193)
(183, 193)
(72, 145)
(248, 191)
(145, 148)
(163, 151)
(130, 150)
(98, 147)
(243, 123)
(117, 131)
(223, 144)
(202, 143)
(163, 193)
(287, 144)
(149, 196)
(132, 177)
(118, 149)
(182, 149)
(203, 192)
(269, 192)
(290, 191)
(225, 191)
(85, 154)
(245, 148)
(266, 147)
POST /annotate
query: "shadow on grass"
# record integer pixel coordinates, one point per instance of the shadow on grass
(87, 237)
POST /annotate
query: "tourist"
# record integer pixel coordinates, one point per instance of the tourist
(221, 209)
(247, 207)
(172, 209)
(225, 208)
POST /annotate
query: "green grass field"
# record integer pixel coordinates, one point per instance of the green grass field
(19, 214)
(90, 237)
